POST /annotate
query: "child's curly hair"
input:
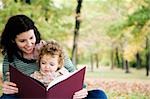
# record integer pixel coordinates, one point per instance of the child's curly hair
(52, 48)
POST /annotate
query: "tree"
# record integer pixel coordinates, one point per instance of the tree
(126, 66)
(26, 1)
(76, 32)
(147, 57)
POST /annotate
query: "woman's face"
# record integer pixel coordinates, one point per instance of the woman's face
(26, 41)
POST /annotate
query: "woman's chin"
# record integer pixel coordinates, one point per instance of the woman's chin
(29, 52)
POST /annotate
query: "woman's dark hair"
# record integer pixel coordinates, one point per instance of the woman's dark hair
(14, 26)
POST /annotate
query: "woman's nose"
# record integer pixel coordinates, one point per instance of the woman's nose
(29, 43)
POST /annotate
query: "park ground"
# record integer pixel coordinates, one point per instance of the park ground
(117, 84)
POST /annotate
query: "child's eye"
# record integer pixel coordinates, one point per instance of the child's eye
(52, 64)
(43, 62)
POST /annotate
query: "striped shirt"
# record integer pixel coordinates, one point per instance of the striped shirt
(29, 66)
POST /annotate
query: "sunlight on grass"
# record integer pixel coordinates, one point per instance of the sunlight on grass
(107, 73)
(115, 95)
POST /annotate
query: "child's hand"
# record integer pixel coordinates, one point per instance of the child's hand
(37, 48)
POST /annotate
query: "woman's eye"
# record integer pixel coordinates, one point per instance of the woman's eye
(22, 41)
(31, 38)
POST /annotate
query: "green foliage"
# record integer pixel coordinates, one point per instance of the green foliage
(105, 25)
(53, 21)
(140, 17)
(129, 32)
(116, 29)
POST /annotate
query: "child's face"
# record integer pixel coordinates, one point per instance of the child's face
(49, 64)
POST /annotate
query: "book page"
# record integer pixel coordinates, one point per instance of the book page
(61, 78)
(68, 84)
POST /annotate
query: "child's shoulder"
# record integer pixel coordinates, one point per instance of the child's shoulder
(36, 73)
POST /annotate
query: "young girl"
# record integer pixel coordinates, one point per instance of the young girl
(51, 63)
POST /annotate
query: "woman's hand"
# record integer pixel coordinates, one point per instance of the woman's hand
(80, 94)
(9, 88)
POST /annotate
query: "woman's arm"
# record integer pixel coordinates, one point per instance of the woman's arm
(7, 87)
(68, 64)
(5, 68)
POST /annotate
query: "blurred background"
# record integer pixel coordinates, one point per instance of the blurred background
(110, 37)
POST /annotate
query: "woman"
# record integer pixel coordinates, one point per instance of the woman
(19, 41)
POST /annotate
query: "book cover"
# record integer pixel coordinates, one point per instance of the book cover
(63, 87)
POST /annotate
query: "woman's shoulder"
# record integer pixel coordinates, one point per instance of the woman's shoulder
(6, 58)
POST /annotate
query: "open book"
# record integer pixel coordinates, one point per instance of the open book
(63, 87)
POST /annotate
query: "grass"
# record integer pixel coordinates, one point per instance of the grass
(115, 95)
(107, 73)
(113, 82)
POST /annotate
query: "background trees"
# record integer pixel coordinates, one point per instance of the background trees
(113, 32)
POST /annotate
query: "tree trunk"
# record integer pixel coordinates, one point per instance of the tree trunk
(97, 61)
(117, 57)
(138, 60)
(112, 59)
(147, 63)
(76, 33)
(16, 0)
(122, 62)
(126, 66)
(74, 50)
(92, 63)
(46, 14)
(28, 1)
(147, 57)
